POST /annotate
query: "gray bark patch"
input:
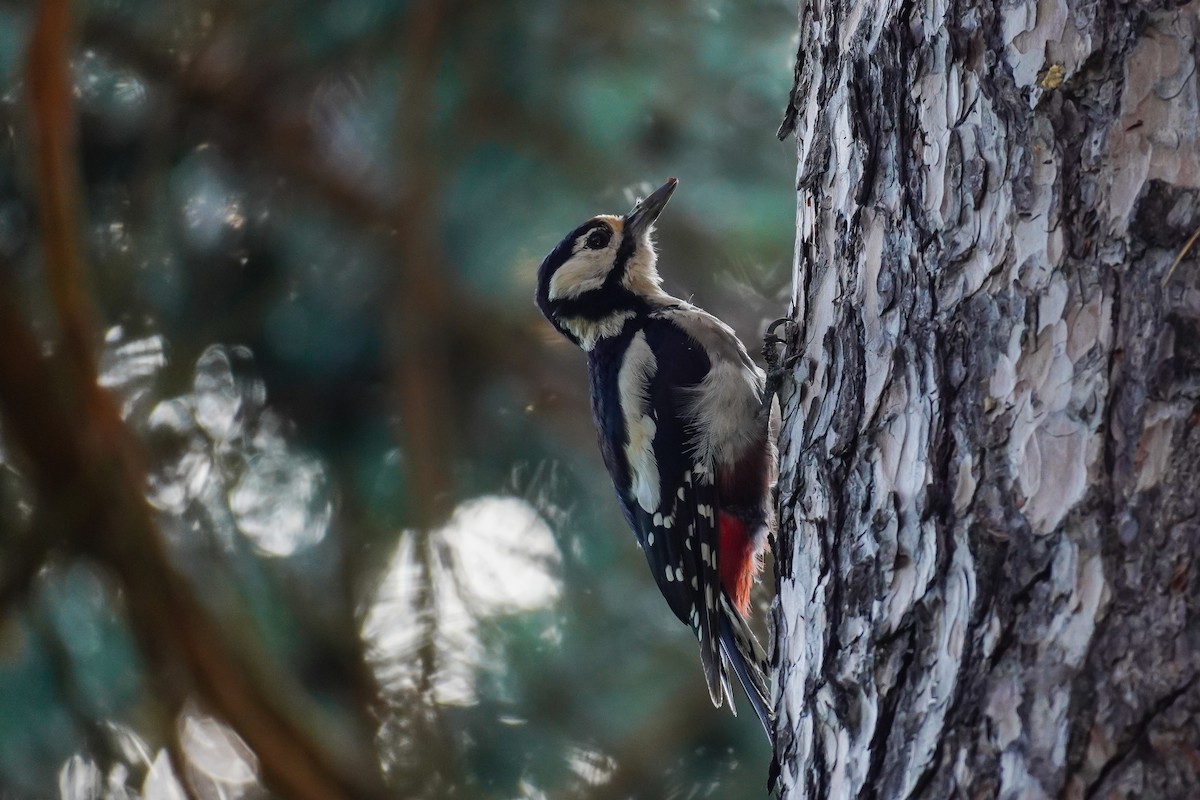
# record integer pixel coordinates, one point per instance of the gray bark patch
(990, 451)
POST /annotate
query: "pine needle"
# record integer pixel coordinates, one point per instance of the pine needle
(1180, 257)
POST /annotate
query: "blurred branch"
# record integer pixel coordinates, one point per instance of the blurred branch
(423, 288)
(81, 456)
(54, 134)
(419, 328)
(29, 390)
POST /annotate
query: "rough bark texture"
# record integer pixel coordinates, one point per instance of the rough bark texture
(990, 456)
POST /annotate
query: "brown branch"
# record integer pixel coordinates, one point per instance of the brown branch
(54, 134)
(418, 338)
(29, 390)
(423, 285)
(81, 455)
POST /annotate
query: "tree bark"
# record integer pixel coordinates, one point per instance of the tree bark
(990, 460)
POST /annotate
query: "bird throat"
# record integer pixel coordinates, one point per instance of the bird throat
(590, 331)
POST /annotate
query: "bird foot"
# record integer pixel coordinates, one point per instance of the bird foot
(776, 369)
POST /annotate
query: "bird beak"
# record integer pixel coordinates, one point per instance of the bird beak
(644, 213)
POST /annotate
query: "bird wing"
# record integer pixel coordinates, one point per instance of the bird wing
(644, 398)
(673, 505)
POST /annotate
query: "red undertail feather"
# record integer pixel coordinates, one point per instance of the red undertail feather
(738, 560)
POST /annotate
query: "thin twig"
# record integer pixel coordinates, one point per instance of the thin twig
(1179, 258)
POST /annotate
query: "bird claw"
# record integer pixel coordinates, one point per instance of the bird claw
(770, 340)
(775, 368)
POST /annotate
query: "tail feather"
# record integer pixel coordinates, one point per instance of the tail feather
(714, 665)
(749, 661)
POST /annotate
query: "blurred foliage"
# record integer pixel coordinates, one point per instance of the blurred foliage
(312, 229)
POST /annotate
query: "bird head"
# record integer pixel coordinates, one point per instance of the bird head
(603, 272)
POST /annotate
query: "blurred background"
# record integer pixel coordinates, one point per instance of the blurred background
(311, 230)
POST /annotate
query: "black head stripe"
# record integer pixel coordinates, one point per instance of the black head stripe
(624, 252)
(563, 251)
(600, 303)
(560, 255)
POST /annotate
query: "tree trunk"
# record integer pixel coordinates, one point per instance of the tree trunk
(990, 457)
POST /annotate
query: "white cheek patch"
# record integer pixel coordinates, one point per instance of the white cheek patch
(634, 385)
(585, 271)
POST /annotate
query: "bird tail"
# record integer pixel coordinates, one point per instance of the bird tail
(749, 661)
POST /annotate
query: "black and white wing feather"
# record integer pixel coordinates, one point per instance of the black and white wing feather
(649, 443)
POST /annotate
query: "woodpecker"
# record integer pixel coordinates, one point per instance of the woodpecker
(682, 416)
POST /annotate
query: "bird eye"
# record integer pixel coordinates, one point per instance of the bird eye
(598, 238)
